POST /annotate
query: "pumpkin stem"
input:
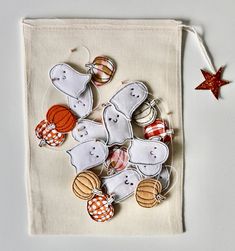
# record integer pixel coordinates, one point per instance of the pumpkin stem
(51, 126)
(153, 102)
(169, 131)
(42, 143)
(89, 65)
(96, 191)
(160, 198)
(110, 200)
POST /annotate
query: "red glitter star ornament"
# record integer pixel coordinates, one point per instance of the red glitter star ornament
(212, 82)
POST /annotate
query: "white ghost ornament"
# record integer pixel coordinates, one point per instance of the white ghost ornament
(88, 154)
(118, 128)
(122, 184)
(68, 80)
(147, 152)
(129, 98)
(149, 170)
(82, 106)
(86, 129)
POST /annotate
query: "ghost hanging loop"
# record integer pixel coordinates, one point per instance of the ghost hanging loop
(201, 45)
(176, 179)
(77, 49)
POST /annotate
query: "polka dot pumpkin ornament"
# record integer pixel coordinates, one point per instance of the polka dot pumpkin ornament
(100, 208)
(48, 135)
(102, 70)
(148, 193)
(62, 118)
(86, 184)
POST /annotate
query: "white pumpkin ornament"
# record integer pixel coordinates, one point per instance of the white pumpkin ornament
(146, 114)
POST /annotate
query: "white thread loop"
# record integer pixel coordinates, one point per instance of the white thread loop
(202, 47)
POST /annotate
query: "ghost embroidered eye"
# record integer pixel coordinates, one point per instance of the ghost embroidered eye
(97, 156)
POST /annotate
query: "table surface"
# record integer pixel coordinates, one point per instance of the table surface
(208, 123)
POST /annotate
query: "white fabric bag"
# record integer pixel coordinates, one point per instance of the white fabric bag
(144, 50)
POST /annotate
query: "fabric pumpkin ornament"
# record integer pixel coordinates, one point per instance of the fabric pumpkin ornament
(102, 70)
(148, 193)
(158, 129)
(117, 159)
(86, 184)
(61, 118)
(48, 135)
(100, 208)
(146, 113)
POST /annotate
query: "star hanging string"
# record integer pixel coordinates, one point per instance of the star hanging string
(212, 82)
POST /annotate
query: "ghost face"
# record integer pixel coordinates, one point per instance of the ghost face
(129, 98)
(82, 106)
(148, 152)
(117, 126)
(122, 184)
(87, 130)
(88, 154)
(149, 170)
(68, 80)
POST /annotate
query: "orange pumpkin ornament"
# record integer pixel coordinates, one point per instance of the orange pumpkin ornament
(62, 118)
(86, 184)
(100, 208)
(48, 135)
(102, 70)
(148, 193)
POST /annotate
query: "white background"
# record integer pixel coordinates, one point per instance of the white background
(209, 126)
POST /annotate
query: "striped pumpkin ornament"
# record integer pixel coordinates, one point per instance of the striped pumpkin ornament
(148, 193)
(117, 159)
(48, 135)
(102, 70)
(100, 208)
(86, 184)
(62, 118)
(158, 128)
(146, 113)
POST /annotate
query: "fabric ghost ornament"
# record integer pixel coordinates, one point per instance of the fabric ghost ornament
(147, 152)
(86, 129)
(118, 128)
(82, 106)
(122, 184)
(149, 170)
(129, 98)
(88, 154)
(68, 80)
(164, 177)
